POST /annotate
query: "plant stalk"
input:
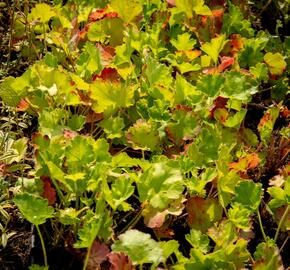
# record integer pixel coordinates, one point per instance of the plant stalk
(261, 225)
(281, 222)
(87, 258)
(42, 245)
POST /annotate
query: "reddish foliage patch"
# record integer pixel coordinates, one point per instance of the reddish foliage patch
(48, 191)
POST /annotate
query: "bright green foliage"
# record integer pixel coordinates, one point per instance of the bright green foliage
(113, 127)
(34, 209)
(233, 22)
(249, 194)
(198, 240)
(143, 135)
(211, 85)
(110, 96)
(158, 73)
(189, 7)
(239, 216)
(159, 185)
(135, 114)
(183, 42)
(275, 62)
(42, 12)
(120, 191)
(139, 246)
(127, 9)
(183, 127)
(214, 47)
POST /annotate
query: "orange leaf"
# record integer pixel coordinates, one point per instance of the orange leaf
(22, 106)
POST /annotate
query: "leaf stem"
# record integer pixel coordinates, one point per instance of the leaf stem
(42, 245)
(87, 258)
(281, 222)
(261, 225)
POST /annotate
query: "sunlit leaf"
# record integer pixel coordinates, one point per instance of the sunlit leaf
(214, 47)
(139, 246)
(33, 208)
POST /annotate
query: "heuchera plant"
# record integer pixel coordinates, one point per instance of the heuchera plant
(147, 141)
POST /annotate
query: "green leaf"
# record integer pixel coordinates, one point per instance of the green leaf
(210, 84)
(184, 90)
(234, 23)
(251, 53)
(127, 9)
(203, 213)
(266, 124)
(89, 61)
(182, 126)
(214, 47)
(120, 191)
(159, 185)
(109, 96)
(238, 86)
(42, 12)
(143, 135)
(275, 62)
(279, 197)
(33, 208)
(113, 127)
(267, 256)
(11, 92)
(76, 122)
(235, 120)
(239, 216)
(198, 240)
(158, 73)
(223, 234)
(68, 216)
(19, 147)
(190, 6)
(184, 42)
(260, 71)
(139, 247)
(249, 194)
(79, 153)
(107, 30)
(169, 247)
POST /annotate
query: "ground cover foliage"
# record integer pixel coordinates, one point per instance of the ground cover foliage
(144, 135)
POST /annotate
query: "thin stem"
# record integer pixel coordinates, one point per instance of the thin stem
(281, 222)
(261, 226)
(284, 243)
(133, 222)
(42, 245)
(87, 258)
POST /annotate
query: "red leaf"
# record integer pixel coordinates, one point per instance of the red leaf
(107, 53)
(225, 62)
(108, 74)
(98, 254)
(97, 15)
(119, 261)
(22, 106)
(219, 103)
(48, 191)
